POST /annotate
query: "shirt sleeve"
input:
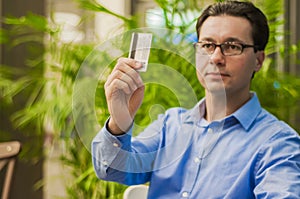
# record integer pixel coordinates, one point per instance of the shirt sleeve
(124, 159)
(105, 147)
(278, 167)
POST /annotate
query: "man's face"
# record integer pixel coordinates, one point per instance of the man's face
(219, 73)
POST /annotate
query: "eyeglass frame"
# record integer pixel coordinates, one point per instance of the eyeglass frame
(226, 43)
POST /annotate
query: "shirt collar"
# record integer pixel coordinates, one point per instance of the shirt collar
(248, 112)
(196, 113)
(245, 115)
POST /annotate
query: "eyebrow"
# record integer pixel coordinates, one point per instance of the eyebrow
(230, 39)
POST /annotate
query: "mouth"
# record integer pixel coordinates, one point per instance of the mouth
(217, 74)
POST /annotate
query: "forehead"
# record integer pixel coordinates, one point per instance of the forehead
(222, 28)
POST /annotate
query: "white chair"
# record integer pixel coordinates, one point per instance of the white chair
(136, 192)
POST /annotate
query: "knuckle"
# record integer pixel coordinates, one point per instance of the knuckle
(118, 66)
(135, 75)
(120, 59)
(105, 85)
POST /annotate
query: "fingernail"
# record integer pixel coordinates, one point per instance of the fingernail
(138, 64)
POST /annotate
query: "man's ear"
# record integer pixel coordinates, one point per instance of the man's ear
(260, 57)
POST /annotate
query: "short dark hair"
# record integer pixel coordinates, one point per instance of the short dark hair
(257, 19)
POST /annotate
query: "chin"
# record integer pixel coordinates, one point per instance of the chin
(215, 88)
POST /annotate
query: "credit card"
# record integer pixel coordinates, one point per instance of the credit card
(140, 48)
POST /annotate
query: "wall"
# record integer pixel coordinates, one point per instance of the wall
(292, 63)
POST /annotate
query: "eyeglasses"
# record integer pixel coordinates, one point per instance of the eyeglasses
(227, 49)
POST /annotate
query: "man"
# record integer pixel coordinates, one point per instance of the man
(227, 146)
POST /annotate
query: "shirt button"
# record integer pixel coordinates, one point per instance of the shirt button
(210, 130)
(185, 194)
(196, 160)
(116, 144)
(104, 162)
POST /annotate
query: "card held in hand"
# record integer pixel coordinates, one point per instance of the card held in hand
(140, 48)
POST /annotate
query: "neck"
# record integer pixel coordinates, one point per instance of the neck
(219, 106)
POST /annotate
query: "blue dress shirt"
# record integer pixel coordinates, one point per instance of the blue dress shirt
(249, 154)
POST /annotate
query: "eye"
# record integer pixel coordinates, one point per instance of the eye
(232, 47)
(207, 45)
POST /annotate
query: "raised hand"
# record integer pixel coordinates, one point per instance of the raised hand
(124, 90)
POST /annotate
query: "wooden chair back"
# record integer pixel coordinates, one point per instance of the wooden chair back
(8, 154)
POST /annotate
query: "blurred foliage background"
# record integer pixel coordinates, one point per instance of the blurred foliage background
(50, 77)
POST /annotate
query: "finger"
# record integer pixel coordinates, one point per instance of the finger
(130, 62)
(116, 86)
(125, 65)
(129, 67)
(122, 77)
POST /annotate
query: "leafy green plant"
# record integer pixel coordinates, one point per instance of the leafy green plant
(49, 108)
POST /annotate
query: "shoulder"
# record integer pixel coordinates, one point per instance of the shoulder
(271, 123)
(269, 133)
(279, 136)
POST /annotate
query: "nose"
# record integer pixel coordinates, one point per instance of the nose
(217, 57)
